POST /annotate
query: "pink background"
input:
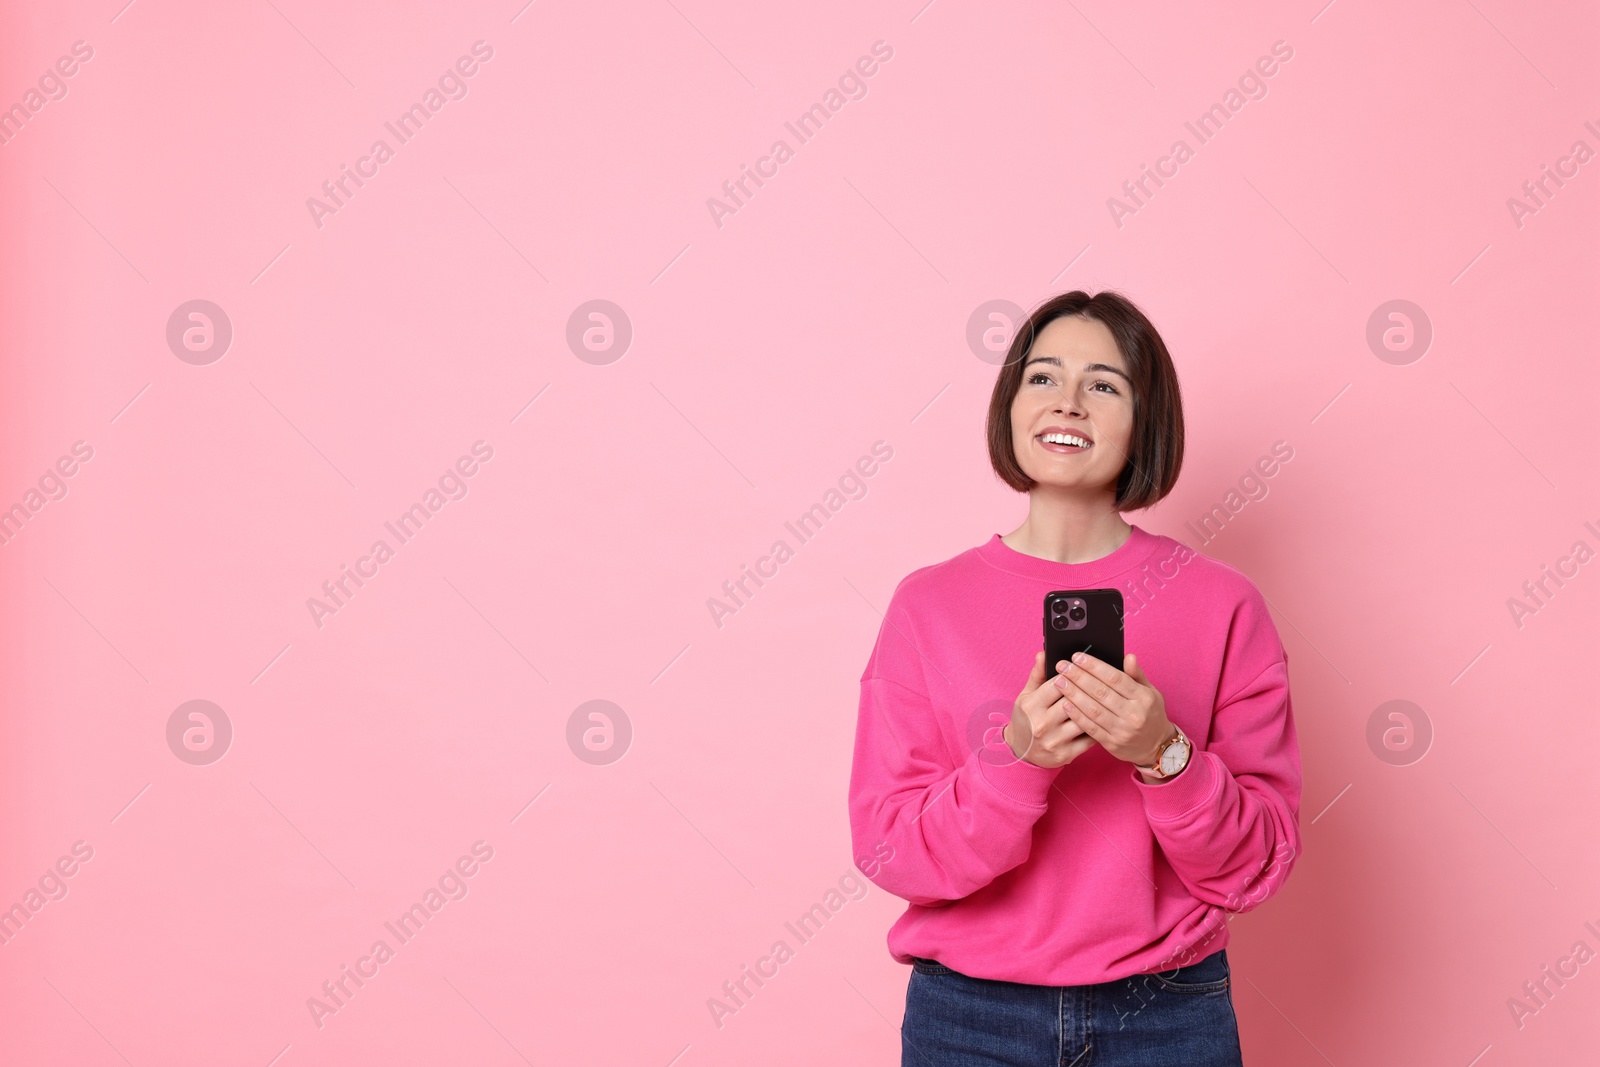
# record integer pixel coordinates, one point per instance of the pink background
(767, 355)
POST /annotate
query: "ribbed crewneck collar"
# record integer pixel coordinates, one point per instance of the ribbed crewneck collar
(1132, 552)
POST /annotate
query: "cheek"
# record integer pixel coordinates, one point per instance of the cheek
(1117, 419)
(1022, 415)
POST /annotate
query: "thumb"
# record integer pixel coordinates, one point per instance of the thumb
(1130, 667)
(1036, 676)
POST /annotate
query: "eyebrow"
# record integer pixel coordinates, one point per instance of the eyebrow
(1088, 368)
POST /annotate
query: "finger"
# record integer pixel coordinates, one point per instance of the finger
(1088, 724)
(1035, 695)
(1068, 727)
(1055, 710)
(1044, 695)
(1088, 693)
(1103, 672)
(1061, 731)
(1089, 680)
(1093, 719)
(1035, 676)
(1079, 747)
(1069, 748)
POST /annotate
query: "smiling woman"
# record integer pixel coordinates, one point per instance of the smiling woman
(1073, 355)
(1087, 854)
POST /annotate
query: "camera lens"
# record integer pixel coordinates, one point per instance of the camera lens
(1076, 612)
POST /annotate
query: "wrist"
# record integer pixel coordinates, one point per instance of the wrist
(1161, 743)
(1005, 735)
(1145, 768)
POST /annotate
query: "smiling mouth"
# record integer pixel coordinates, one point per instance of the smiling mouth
(1064, 443)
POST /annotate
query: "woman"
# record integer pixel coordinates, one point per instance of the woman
(1072, 852)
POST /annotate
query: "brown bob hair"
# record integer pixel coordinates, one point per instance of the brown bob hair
(1155, 452)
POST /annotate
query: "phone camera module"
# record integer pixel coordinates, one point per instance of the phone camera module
(1068, 613)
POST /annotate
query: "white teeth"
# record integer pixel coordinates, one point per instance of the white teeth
(1064, 439)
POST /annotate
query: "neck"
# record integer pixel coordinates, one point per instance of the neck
(1067, 530)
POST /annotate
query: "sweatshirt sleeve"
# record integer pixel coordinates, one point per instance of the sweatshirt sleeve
(926, 826)
(1230, 822)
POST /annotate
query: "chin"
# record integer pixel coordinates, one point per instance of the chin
(1077, 484)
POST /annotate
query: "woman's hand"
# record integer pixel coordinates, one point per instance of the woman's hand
(1121, 710)
(1040, 731)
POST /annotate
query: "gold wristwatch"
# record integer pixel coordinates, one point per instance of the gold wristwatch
(1172, 757)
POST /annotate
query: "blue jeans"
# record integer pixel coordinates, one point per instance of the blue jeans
(1183, 1016)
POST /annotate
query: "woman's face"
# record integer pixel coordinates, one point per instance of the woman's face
(1074, 382)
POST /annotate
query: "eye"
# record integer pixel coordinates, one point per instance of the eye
(1036, 376)
(1109, 386)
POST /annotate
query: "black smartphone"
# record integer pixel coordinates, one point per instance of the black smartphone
(1082, 620)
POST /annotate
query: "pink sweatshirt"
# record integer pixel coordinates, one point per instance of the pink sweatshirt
(1083, 873)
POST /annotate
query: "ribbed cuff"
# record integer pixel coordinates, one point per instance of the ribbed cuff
(1018, 780)
(1192, 789)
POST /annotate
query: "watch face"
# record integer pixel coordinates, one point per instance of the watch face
(1174, 758)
